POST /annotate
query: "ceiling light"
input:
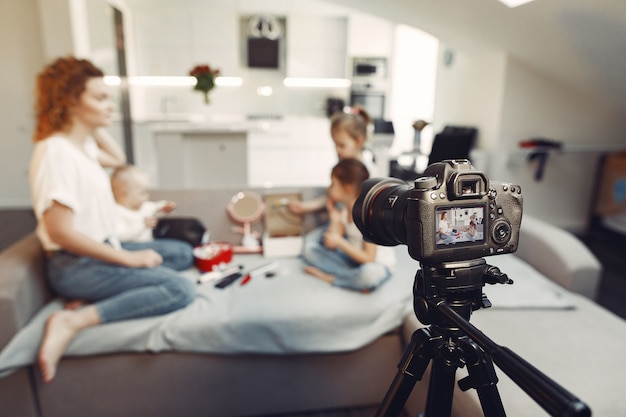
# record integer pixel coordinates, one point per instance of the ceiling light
(514, 3)
(171, 81)
(265, 90)
(317, 82)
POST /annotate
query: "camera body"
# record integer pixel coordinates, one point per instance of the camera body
(451, 213)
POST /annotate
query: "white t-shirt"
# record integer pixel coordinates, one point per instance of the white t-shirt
(61, 172)
(445, 227)
(384, 254)
(130, 224)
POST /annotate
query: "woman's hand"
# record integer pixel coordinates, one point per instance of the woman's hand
(59, 222)
(110, 153)
(146, 258)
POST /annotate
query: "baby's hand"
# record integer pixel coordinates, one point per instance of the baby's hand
(150, 222)
(332, 239)
(168, 207)
(334, 214)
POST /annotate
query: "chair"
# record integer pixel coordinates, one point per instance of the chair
(453, 142)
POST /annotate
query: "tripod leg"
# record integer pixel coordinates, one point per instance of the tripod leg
(482, 377)
(410, 370)
(440, 389)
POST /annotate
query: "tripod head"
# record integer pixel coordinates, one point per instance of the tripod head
(459, 284)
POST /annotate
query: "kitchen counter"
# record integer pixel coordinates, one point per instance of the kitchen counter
(235, 151)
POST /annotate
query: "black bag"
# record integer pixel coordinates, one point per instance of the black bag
(188, 229)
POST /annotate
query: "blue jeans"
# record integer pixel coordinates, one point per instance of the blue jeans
(120, 292)
(348, 273)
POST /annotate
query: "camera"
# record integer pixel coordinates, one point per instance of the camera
(451, 213)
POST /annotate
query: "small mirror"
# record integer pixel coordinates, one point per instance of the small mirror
(247, 207)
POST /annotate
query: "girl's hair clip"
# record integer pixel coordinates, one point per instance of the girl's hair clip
(355, 111)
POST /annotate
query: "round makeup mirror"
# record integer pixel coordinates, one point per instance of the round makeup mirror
(246, 207)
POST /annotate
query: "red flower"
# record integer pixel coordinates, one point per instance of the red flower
(205, 79)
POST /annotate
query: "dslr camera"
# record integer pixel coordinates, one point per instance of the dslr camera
(451, 213)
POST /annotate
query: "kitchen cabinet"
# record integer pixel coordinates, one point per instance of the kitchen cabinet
(171, 38)
(201, 159)
(293, 152)
(316, 46)
(369, 36)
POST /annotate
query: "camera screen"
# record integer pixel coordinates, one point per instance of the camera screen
(460, 225)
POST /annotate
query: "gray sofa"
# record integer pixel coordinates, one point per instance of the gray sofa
(193, 384)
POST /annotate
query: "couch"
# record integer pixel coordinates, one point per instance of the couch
(577, 344)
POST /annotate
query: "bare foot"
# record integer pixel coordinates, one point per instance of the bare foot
(58, 334)
(318, 273)
(61, 328)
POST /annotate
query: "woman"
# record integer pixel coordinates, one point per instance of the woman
(446, 233)
(74, 206)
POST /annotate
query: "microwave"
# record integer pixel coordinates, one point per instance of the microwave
(369, 68)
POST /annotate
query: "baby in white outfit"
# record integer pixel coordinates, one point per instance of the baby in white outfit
(135, 215)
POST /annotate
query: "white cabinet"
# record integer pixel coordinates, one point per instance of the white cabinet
(293, 152)
(202, 159)
(369, 35)
(297, 152)
(316, 46)
(171, 38)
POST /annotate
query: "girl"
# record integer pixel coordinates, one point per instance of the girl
(350, 132)
(74, 207)
(338, 254)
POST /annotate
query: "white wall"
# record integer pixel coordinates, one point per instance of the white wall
(413, 90)
(470, 86)
(209, 33)
(536, 106)
(21, 58)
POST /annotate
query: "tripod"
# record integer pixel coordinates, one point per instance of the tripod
(444, 297)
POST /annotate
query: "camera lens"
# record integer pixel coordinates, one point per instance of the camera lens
(379, 212)
(501, 232)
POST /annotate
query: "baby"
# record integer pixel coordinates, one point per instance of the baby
(135, 215)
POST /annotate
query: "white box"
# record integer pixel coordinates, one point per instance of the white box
(283, 229)
(282, 246)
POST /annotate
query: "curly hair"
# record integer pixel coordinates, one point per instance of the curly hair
(350, 172)
(59, 87)
(355, 123)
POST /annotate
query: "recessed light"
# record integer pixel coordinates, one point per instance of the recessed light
(317, 82)
(265, 90)
(514, 3)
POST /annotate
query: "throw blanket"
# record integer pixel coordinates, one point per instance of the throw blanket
(289, 313)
